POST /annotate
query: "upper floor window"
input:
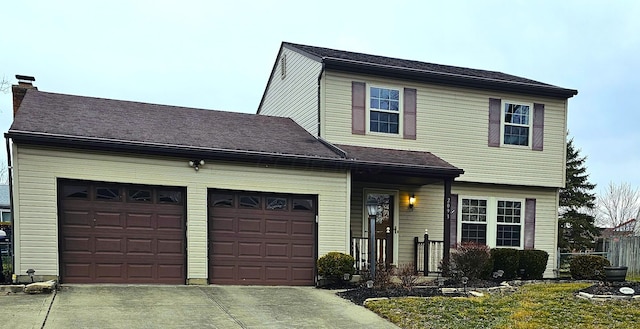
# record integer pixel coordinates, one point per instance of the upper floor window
(384, 110)
(516, 124)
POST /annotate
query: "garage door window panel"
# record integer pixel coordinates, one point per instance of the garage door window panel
(107, 194)
(139, 195)
(302, 204)
(276, 203)
(250, 201)
(221, 200)
(167, 196)
(76, 191)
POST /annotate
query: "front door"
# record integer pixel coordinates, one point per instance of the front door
(384, 227)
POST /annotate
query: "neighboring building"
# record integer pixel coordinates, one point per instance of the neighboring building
(628, 228)
(5, 205)
(5, 212)
(625, 229)
(128, 192)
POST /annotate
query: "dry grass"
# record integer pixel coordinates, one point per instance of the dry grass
(533, 306)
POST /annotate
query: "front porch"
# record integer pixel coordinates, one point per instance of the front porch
(400, 207)
(427, 254)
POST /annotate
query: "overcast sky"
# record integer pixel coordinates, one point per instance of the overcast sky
(219, 54)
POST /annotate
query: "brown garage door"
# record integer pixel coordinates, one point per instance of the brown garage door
(261, 239)
(117, 233)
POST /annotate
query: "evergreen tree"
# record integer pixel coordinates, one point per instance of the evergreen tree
(576, 228)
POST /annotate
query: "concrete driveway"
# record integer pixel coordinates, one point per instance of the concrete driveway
(141, 306)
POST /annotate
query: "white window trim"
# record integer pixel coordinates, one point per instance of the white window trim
(502, 124)
(492, 219)
(400, 110)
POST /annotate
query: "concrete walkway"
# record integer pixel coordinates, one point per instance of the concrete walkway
(139, 306)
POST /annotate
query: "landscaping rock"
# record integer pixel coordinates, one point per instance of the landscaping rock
(476, 294)
(374, 299)
(40, 287)
(12, 288)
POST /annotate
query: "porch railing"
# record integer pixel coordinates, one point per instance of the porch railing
(427, 255)
(360, 252)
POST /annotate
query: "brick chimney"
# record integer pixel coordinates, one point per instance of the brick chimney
(25, 83)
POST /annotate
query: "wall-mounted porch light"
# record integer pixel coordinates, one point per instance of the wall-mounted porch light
(412, 201)
(196, 164)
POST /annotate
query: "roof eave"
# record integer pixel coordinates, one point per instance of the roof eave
(445, 78)
(89, 143)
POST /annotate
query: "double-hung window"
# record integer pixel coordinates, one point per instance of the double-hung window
(474, 220)
(509, 223)
(384, 110)
(495, 222)
(516, 124)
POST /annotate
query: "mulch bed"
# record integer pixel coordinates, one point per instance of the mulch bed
(612, 288)
(357, 294)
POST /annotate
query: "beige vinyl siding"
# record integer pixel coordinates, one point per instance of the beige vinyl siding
(295, 96)
(452, 123)
(428, 211)
(37, 170)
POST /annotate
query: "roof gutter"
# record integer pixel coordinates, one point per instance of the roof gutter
(446, 78)
(13, 217)
(221, 154)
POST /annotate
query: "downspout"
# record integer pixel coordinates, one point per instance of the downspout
(13, 219)
(319, 94)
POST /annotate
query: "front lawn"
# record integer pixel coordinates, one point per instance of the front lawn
(533, 306)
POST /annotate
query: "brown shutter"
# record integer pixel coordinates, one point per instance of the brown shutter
(409, 121)
(453, 217)
(358, 107)
(529, 223)
(538, 127)
(494, 122)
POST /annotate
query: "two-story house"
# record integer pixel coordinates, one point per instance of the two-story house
(127, 192)
(506, 132)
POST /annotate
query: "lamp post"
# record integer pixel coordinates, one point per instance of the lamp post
(372, 209)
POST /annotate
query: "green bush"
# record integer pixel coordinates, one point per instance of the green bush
(471, 260)
(507, 260)
(533, 262)
(588, 267)
(334, 265)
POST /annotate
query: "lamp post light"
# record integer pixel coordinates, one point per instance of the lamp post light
(465, 280)
(372, 210)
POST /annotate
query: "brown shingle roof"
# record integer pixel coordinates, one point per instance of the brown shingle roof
(395, 157)
(403, 68)
(98, 118)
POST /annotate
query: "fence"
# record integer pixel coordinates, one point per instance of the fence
(625, 251)
(427, 255)
(360, 252)
(5, 248)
